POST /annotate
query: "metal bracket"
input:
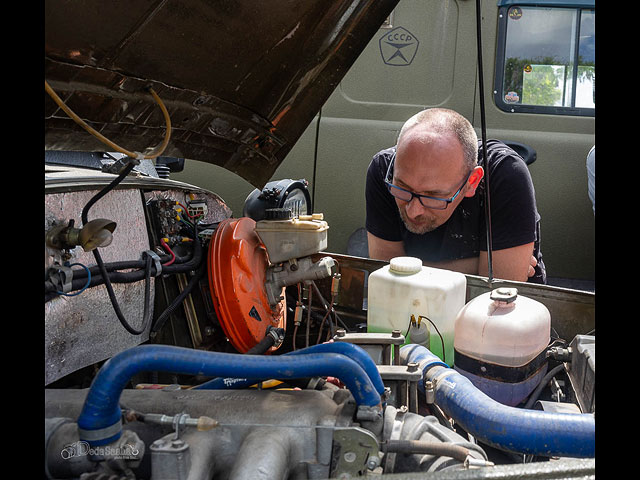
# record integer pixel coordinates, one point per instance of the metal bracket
(119, 164)
(354, 451)
(61, 277)
(396, 430)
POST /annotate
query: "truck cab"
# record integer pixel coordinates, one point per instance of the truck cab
(539, 77)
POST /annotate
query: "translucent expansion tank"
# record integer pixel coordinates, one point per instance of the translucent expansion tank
(500, 344)
(406, 288)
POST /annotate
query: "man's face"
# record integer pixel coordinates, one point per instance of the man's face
(429, 164)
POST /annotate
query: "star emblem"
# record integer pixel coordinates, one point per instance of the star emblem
(398, 47)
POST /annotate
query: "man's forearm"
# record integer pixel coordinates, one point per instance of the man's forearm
(462, 265)
(509, 263)
(383, 249)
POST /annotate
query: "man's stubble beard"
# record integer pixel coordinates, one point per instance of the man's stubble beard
(422, 228)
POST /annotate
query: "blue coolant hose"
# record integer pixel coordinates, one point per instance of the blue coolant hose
(514, 429)
(354, 352)
(99, 421)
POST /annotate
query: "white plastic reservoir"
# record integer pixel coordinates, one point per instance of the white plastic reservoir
(294, 237)
(404, 288)
(500, 344)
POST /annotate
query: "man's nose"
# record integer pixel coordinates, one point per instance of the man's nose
(415, 208)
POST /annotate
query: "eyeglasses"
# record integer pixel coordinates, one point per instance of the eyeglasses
(435, 203)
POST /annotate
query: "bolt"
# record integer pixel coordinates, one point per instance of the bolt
(395, 333)
(200, 100)
(373, 462)
(349, 457)
(429, 392)
(412, 366)
(341, 332)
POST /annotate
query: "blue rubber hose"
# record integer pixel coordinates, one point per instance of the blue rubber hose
(509, 428)
(99, 420)
(356, 353)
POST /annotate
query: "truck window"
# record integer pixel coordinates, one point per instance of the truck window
(546, 59)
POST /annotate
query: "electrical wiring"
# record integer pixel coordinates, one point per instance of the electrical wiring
(181, 265)
(329, 306)
(105, 140)
(121, 265)
(84, 287)
(412, 320)
(297, 320)
(125, 171)
(200, 271)
(327, 315)
(164, 316)
(308, 326)
(166, 246)
(188, 223)
(195, 217)
(106, 277)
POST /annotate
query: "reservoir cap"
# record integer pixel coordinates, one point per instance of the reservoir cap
(405, 265)
(504, 294)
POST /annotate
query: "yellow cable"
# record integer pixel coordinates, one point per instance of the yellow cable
(104, 139)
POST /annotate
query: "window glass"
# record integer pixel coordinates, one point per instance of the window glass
(549, 58)
(586, 85)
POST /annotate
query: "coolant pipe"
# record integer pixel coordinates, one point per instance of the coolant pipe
(99, 422)
(508, 428)
(354, 352)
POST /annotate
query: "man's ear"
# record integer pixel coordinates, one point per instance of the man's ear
(474, 181)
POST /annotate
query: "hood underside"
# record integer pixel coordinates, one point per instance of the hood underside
(241, 79)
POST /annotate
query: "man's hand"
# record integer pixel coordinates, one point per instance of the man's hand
(532, 267)
(516, 263)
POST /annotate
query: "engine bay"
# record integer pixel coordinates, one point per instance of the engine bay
(182, 342)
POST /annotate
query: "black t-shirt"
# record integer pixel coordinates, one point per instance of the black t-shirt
(514, 217)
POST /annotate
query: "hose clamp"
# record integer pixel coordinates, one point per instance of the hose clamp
(61, 277)
(276, 334)
(396, 430)
(101, 433)
(156, 260)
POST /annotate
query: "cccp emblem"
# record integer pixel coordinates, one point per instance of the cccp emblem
(398, 47)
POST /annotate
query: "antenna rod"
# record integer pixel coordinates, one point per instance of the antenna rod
(487, 206)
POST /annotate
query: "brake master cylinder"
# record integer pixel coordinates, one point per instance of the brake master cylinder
(500, 344)
(287, 238)
(289, 242)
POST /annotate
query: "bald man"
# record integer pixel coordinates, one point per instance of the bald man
(425, 198)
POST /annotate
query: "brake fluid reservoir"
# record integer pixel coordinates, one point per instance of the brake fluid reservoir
(500, 344)
(291, 238)
(404, 288)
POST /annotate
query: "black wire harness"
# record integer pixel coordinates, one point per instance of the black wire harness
(144, 269)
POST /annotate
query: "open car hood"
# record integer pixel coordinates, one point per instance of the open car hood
(241, 79)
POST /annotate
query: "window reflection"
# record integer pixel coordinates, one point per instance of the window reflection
(543, 46)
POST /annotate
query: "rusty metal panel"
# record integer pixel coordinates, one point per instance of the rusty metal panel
(84, 329)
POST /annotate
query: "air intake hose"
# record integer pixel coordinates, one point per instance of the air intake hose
(99, 422)
(507, 428)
